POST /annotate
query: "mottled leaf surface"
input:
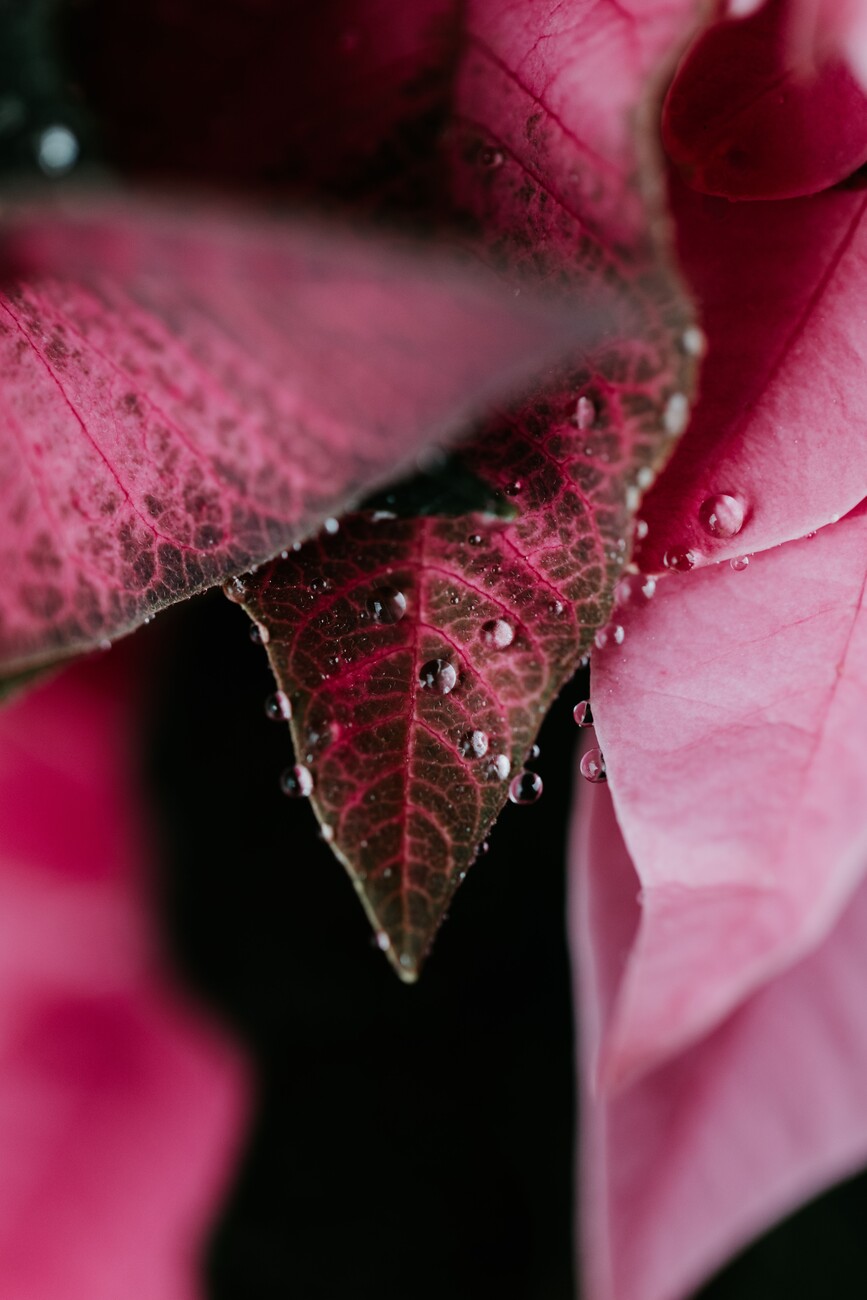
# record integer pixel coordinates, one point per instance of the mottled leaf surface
(183, 394)
(679, 1170)
(729, 720)
(781, 420)
(406, 776)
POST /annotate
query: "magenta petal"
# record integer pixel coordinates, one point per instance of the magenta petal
(120, 1107)
(753, 114)
(682, 1168)
(726, 720)
(782, 412)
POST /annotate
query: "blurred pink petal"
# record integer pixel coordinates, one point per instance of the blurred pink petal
(120, 1106)
(739, 779)
(682, 1168)
(759, 111)
(781, 420)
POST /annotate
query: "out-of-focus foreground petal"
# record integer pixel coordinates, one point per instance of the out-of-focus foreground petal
(120, 1105)
(752, 114)
(819, 28)
(682, 1168)
(739, 775)
(781, 420)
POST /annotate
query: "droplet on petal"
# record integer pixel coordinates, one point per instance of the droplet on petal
(592, 766)
(583, 714)
(648, 587)
(722, 515)
(679, 561)
(740, 562)
(525, 788)
(619, 634)
(278, 707)
(387, 605)
(439, 676)
(297, 782)
(498, 633)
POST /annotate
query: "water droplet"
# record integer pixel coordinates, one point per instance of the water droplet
(642, 528)
(475, 743)
(722, 515)
(534, 753)
(740, 562)
(235, 589)
(484, 847)
(259, 634)
(498, 633)
(693, 341)
(387, 605)
(582, 714)
(438, 675)
(557, 608)
(331, 526)
(585, 414)
(592, 766)
(475, 539)
(619, 634)
(501, 767)
(405, 960)
(296, 546)
(57, 151)
(382, 941)
(675, 417)
(326, 833)
(648, 587)
(525, 788)
(105, 644)
(512, 489)
(600, 638)
(297, 782)
(319, 584)
(278, 707)
(491, 158)
(679, 561)
(379, 516)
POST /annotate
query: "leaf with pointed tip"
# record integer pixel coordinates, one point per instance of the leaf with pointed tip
(419, 656)
(184, 393)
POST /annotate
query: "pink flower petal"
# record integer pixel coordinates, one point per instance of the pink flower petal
(753, 114)
(120, 1107)
(681, 1169)
(782, 411)
(726, 720)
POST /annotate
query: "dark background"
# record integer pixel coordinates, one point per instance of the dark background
(410, 1141)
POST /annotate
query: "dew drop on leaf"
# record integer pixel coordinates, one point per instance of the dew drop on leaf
(491, 158)
(235, 589)
(297, 782)
(501, 767)
(585, 414)
(387, 605)
(675, 417)
(534, 753)
(722, 515)
(259, 634)
(438, 675)
(679, 561)
(278, 707)
(475, 539)
(641, 529)
(331, 526)
(583, 714)
(592, 766)
(525, 788)
(475, 744)
(498, 633)
(382, 941)
(648, 587)
(739, 563)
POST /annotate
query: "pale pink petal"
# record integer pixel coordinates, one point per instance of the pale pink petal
(682, 1168)
(185, 391)
(120, 1107)
(781, 421)
(740, 781)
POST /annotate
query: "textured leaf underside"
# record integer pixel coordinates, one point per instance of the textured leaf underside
(407, 779)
